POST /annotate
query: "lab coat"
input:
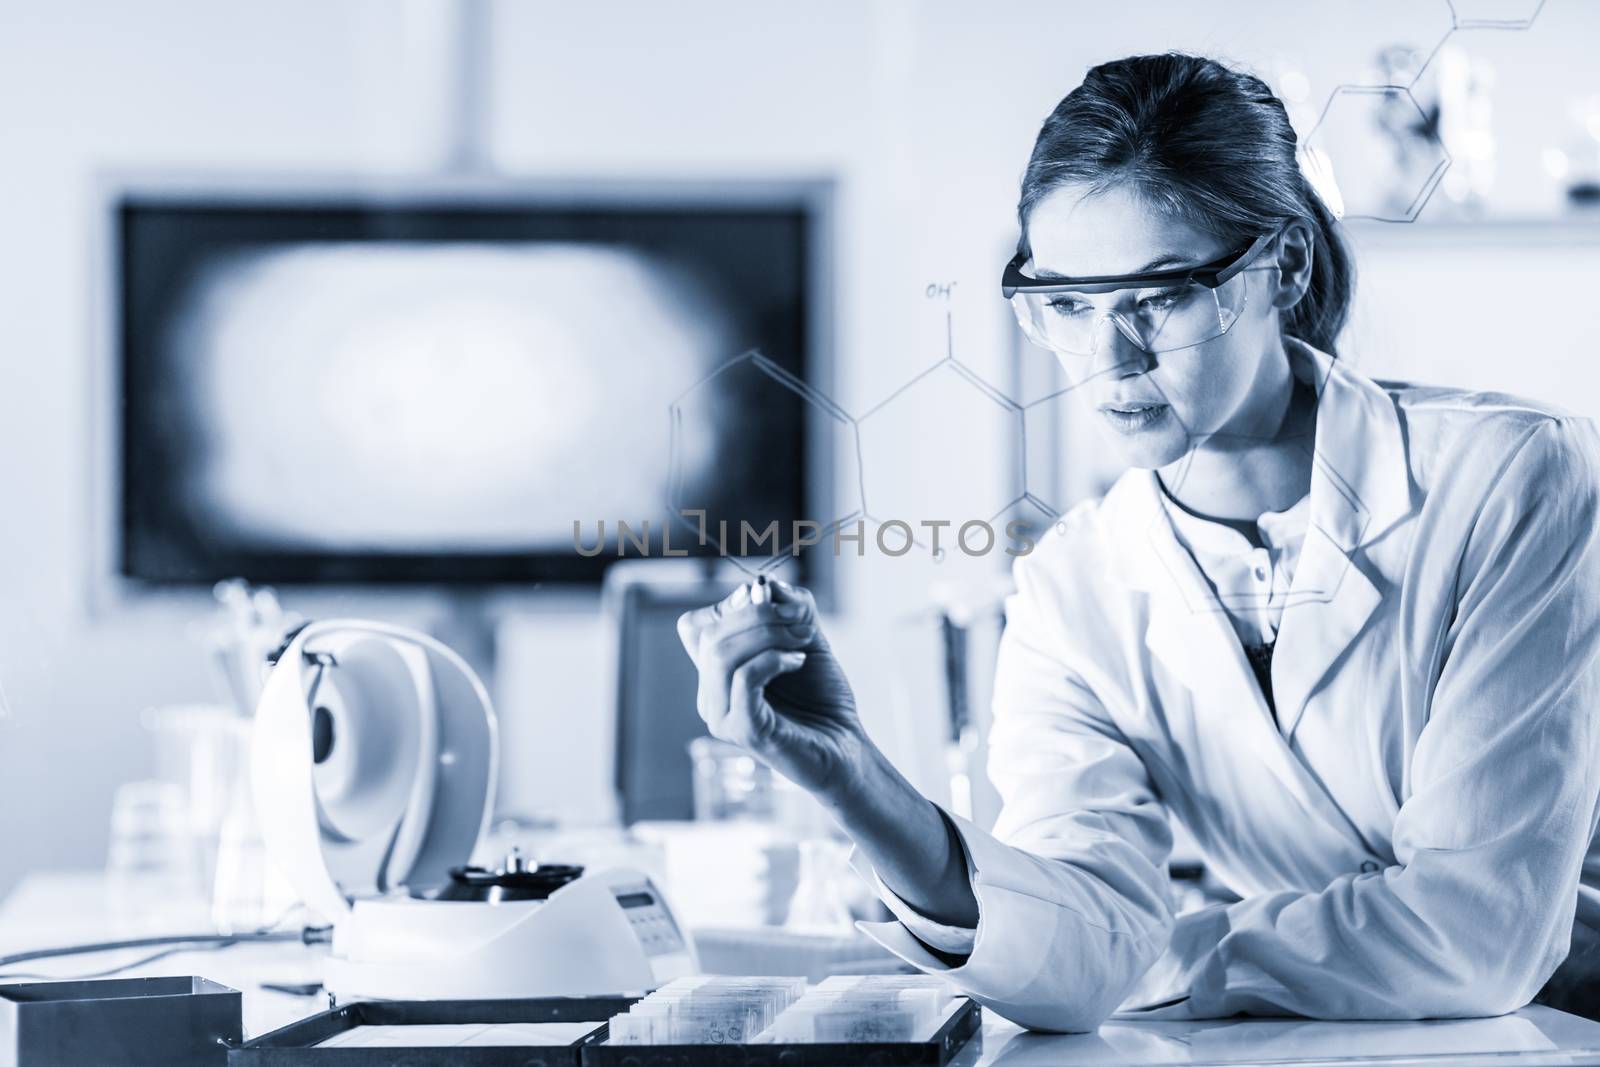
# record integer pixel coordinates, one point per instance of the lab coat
(1414, 836)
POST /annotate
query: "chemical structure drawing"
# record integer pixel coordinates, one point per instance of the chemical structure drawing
(752, 390)
(891, 442)
(854, 438)
(1354, 129)
(883, 464)
(1376, 151)
(965, 515)
(1493, 14)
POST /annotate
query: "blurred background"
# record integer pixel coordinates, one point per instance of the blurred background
(369, 301)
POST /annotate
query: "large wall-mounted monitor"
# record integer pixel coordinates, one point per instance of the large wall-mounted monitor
(431, 385)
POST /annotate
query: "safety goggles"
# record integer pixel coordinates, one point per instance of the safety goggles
(1163, 310)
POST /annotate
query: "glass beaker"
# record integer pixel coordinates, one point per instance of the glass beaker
(821, 899)
(202, 750)
(729, 783)
(152, 866)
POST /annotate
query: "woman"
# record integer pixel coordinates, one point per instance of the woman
(1345, 631)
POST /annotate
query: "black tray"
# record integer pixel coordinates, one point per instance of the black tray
(176, 1022)
(962, 1026)
(296, 1043)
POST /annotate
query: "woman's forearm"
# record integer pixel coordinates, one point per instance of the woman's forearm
(914, 850)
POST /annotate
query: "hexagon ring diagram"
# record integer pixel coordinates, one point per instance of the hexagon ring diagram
(736, 500)
(1381, 150)
(925, 478)
(1494, 14)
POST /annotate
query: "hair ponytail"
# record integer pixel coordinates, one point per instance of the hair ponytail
(1210, 145)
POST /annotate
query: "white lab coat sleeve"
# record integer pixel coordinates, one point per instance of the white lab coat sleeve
(954, 940)
(1490, 842)
(1071, 887)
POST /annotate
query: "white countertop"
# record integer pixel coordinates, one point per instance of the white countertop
(66, 907)
(1534, 1035)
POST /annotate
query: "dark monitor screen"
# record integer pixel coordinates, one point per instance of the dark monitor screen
(656, 714)
(434, 391)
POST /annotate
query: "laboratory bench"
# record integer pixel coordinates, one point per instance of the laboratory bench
(59, 908)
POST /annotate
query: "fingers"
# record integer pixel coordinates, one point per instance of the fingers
(722, 637)
(796, 597)
(692, 623)
(722, 650)
(737, 611)
(749, 721)
(688, 633)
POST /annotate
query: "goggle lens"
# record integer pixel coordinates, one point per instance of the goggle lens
(1158, 320)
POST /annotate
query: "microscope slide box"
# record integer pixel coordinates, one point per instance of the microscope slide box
(961, 1025)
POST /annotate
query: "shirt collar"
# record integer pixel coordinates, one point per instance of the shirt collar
(1360, 483)
(1278, 528)
(1212, 538)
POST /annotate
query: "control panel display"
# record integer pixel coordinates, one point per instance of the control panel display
(652, 924)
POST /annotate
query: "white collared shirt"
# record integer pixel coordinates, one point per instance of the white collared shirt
(1251, 584)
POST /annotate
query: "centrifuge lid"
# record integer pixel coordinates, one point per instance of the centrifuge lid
(373, 762)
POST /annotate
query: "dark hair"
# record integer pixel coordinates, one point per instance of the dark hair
(1208, 144)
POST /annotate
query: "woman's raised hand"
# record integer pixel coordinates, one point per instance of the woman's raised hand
(770, 684)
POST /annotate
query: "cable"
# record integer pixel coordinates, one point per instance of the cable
(144, 942)
(109, 971)
(310, 935)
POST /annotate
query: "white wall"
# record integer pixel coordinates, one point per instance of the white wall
(922, 109)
